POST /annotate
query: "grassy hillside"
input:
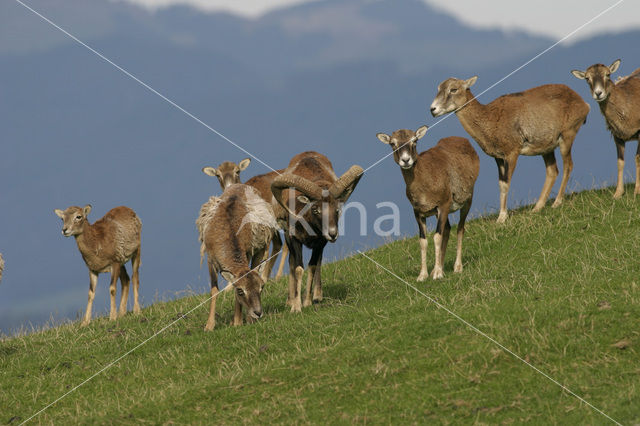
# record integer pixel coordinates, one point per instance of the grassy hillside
(558, 288)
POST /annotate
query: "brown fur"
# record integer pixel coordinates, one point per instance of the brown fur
(106, 246)
(262, 183)
(619, 103)
(438, 181)
(232, 243)
(533, 122)
(312, 232)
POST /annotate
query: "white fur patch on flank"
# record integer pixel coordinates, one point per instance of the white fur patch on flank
(207, 211)
(260, 217)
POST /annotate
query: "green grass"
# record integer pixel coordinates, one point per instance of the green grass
(559, 288)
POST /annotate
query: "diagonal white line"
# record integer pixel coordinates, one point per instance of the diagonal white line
(491, 339)
(143, 84)
(115, 361)
(608, 9)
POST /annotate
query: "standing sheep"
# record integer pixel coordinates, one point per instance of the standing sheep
(533, 122)
(619, 103)
(106, 246)
(439, 181)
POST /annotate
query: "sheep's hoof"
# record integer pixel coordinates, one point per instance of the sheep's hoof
(457, 267)
(423, 276)
(557, 203)
(307, 303)
(618, 194)
(84, 323)
(209, 327)
(537, 208)
(437, 274)
(502, 217)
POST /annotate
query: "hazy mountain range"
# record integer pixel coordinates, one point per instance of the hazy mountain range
(325, 76)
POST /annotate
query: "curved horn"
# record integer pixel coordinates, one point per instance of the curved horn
(303, 185)
(344, 186)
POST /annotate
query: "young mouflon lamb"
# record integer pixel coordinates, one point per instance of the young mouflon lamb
(105, 247)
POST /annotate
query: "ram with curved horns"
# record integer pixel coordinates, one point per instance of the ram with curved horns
(310, 198)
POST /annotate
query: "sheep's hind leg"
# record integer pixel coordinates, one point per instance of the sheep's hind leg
(566, 142)
(115, 274)
(283, 257)
(211, 319)
(124, 295)
(464, 211)
(620, 154)
(551, 175)
(135, 278)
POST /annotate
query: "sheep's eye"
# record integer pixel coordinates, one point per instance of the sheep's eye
(316, 210)
(78, 217)
(453, 90)
(240, 292)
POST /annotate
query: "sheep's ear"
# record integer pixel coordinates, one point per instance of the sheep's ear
(421, 131)
(303, 199)
(578, 74)
(384, 138)
(59, 213)
(614, 66)
(86, 210)
(244, 164)
(228, 276)
(261, 268)
(210, 171)
(471, 81)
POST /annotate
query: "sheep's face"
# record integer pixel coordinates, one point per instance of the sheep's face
(451, 96)
(322, 215)
(227, 173)
(73, 219)
(598, 77)
(248, 288)
(404, 144)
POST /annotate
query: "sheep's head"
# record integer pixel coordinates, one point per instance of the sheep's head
(227, 173)
(598, 77)
(73, 219)
(315, 206)
(247, 287)
(404, 144)
(451, 96)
